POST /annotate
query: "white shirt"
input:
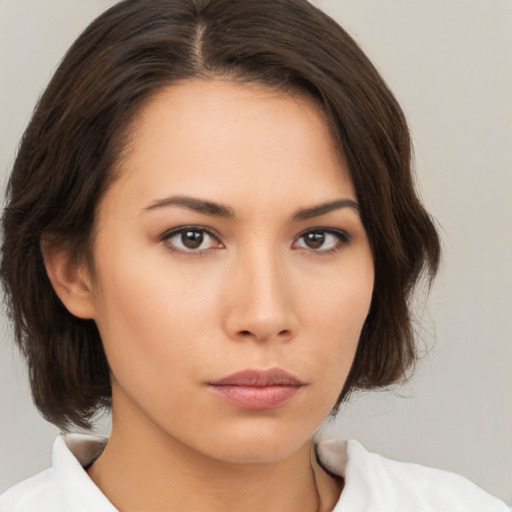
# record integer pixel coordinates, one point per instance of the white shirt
(372, 483)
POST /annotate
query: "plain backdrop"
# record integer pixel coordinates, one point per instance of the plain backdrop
(449, 64)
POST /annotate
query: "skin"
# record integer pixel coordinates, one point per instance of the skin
(256, 293)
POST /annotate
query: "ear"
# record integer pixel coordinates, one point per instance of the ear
(70, 278)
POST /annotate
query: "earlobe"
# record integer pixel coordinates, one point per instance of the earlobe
(70, 278)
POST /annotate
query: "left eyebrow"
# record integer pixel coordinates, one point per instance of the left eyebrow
(324, 208)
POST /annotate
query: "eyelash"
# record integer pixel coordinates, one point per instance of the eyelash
(342, 237)
(166, 237)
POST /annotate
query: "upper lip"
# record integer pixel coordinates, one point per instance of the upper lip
(259, 378)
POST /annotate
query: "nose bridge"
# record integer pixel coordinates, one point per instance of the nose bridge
(261, 304)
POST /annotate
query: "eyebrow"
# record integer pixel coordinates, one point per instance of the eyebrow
(324, 208)
(192, 203)
(219, 210)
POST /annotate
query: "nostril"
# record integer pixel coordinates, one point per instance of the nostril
(248, 334)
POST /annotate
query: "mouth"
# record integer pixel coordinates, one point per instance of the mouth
(257, 389)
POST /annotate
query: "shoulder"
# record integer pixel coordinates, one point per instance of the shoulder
(65, 486)
(374, 482)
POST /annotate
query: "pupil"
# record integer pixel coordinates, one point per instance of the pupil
(315, 240)
(192, 239)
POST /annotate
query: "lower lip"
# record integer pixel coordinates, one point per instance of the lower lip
(256, 397)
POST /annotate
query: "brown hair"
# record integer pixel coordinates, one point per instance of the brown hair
(77, 133)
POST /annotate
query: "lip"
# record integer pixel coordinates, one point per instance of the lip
(257, 389)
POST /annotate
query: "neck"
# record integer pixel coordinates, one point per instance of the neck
(144, 468)
(140, 475)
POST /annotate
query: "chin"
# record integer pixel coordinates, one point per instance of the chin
(257, 445)
(261, 454)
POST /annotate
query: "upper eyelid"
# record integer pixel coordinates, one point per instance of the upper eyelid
(179, 229)
(174, 231)
(325, 229)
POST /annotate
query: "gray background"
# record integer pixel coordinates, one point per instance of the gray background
(449, 64)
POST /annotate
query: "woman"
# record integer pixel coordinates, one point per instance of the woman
(212, 229)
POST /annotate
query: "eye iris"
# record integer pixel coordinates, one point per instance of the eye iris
(192, 239)
(314, 240)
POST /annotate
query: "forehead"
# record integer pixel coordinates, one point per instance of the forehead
(220, 138)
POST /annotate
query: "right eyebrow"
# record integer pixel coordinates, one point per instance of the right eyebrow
(195, 204)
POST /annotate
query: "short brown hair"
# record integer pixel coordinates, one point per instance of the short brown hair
(78, 131)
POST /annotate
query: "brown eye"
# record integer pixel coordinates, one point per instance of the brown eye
(322, 240)
(314, 240)
(191, 240)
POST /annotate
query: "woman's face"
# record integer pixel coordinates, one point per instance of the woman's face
(230, 242)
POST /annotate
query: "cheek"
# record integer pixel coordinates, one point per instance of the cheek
(158, 344)
(147, 317)
(337, 314)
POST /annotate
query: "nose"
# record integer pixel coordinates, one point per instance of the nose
(260, 302)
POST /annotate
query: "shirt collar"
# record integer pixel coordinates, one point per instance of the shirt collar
(71, 453)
